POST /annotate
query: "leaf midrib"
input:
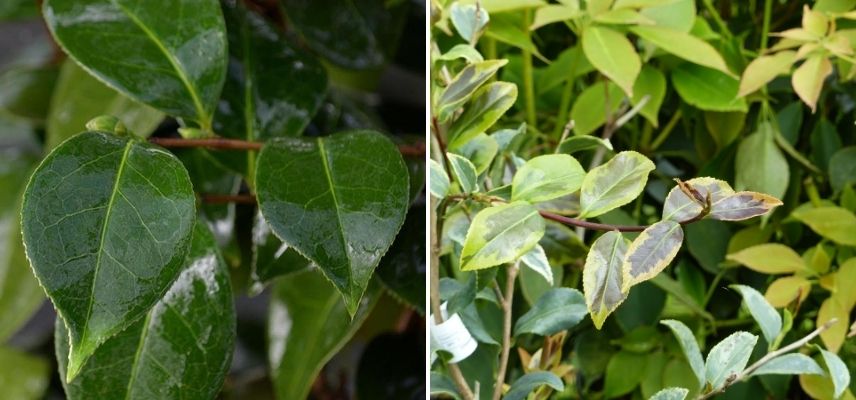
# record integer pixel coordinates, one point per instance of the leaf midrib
(659, 243)
(602, 292)
(328, 174)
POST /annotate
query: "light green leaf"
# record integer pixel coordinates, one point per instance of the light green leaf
(837, 370)
(533, 380)
(575, 144)
(465, 173)
(307, 325)
(79, 97)
(602, 276)
(82, 204)
(128, 46)
(181, 349)
(679, 207)
(613, 55)
(651, 83)
(495, 6)
(673, 393)
(689, 346)
(536, 260)
(675, 14)
(760, 165)
(439, 180)
(651, 252)
(552, 13)
(808, 79)
(728, 357)
(764, 314)
(480, 150)
(501, 234)
(593, 105)
(464, 84)
(352, 188)
(510, 28)
(764, 69)
(465, 51)
(468, 19)
(683, 45)
(835, 223)
(23, 377)
(623, 16)
(547, 177)
(790, 364)
(708, 89)
(770, 258)
(614, 184)
(488, 105)
(557, 310)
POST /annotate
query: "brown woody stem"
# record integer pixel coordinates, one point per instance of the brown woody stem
(234, 144)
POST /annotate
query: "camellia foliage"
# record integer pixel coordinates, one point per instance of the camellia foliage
(601, 173)
(170, 155)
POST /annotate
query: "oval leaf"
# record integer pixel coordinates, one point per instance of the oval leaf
(602, 276)
(784, 291)
(689, 346)
(181, 349)
(526, 384)
(765, 315)
(808, 79)
(835, 223)
(488, 104)
(679, 207)
(613, 55)
(837, 370)
(547, 177)
(557, 310)
(464, 84)
(760, 164)
(790, 364)
(501, 234)
(593, 105)
(763, 70)
(343, 203)
(130, 45)
(743, 205)
(728, 357)
(83, 203)
(465, 173)
(651, 252)
(707, 89)
(307, 325)
(614, 184)
(770, 258)
(683, 45)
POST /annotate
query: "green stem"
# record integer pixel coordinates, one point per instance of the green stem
(564, 108)
(661, 137)
(528, 83)
(708, 4)
(765, 28)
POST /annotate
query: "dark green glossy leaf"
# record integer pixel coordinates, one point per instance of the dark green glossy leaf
(25, 92)
(402, 269)
(20, 294)
(182, 349)
(272, 257)
(707, 89)
(169, 54)
(557, 310)
(307, 325)
(531, 381)
(23, 377)
(338, 200)
(209, 176)
(356, 34)
(107, 223)
(79, 97)
(272, 89)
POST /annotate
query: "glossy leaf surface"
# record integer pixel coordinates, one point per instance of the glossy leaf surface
(547, 177)
(83, 203)
(743, 205)
(182, 349)
(307, 324)
(501, 234)
(338, 200)
(651, 252)
(614, 184)
(683, 45)
(602, 276)
(708, 89)
(132, 45)
(557, 310)
(272, 257)
(613, 55)
(729, 357)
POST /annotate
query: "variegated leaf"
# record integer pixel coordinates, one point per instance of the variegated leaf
(651, 252)
(743, 205)
(501, 234)
(602, 276)
(680, 207)
(547, 177)
(614, 184)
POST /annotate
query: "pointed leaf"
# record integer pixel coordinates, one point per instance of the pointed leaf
(528, 383)
(465, 173)
(129, 45)
(790, 364)
(833, 338)
(557, 310)
(808, 79)
(614, 184)
(181, 349)
(683, 45)
(602, 276)
(770, 258)
(464, 85)
(835, 223)
(764, 314)
(83, 203)
(679, 207)
(760, 164)
(501, 234)
(837, 370)
(307, 325)
(537, 261)
(743, 205)
(351, 188)
(439, 181)
(613, 55)
(763, 70)
(547, 177)
(489, 103)
(576, 144)
(689, 346)
(468, 19)
(673, 393)
(552, 13)
(729, 357)
(651, 252)
(708, 89)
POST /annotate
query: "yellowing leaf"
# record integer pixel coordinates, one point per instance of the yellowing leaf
(763, 69)
(770, 258)
(651, 252)
(784, 291)
(501, 234)
(553, 13)
(833, 337)
(814, 22)
(683, 45)
(845, 284)
(613, 55)
(602, 276)
(835, 223)
(807, 80)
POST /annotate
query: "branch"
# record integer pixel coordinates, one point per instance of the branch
(416, 150)
(606, 227)
(506, 330)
